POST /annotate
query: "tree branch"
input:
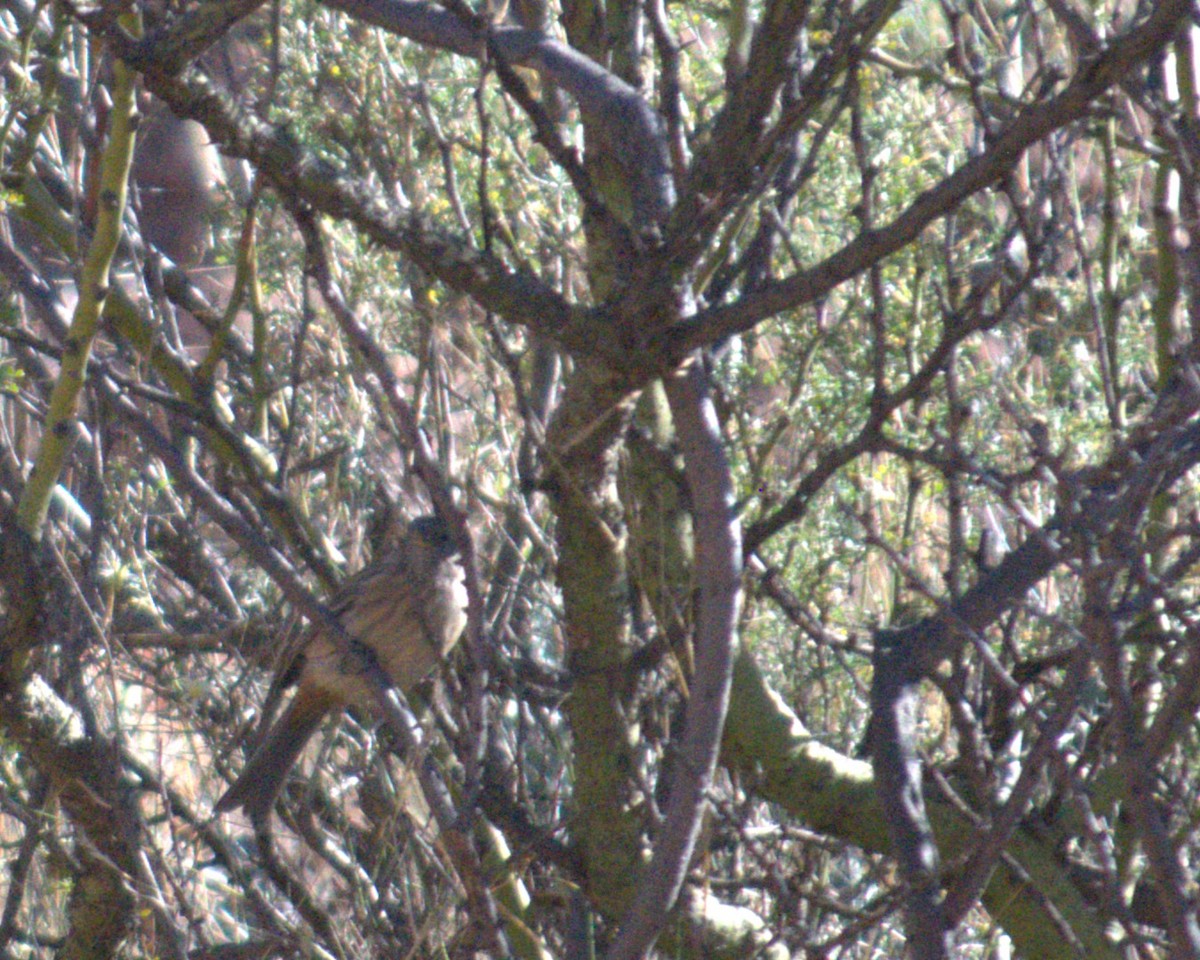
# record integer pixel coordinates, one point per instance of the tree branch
(1163, 448)
(781, 760)
(171, 47)
(893, 744)
(1093, 77)
(718, 571)
(517, 295)
(612, 110)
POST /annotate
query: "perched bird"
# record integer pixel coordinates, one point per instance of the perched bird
(408, 606)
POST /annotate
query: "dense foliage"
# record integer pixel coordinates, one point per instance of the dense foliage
(812, 390)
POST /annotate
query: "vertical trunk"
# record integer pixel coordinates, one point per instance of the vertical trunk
(592, 574)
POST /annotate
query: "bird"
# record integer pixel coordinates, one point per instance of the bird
(408, 607)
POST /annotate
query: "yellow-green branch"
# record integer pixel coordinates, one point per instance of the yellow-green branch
(93, 291)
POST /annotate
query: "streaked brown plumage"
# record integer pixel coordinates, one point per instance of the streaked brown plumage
(408, 606)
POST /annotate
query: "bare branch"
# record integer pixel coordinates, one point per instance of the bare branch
(718, 570)
(517, 295)
(1095, 75)
(612, 110)
(893, 732)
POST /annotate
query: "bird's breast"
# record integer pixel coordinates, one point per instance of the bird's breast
(409, 622)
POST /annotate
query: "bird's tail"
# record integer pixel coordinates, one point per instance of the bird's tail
(263, 776)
